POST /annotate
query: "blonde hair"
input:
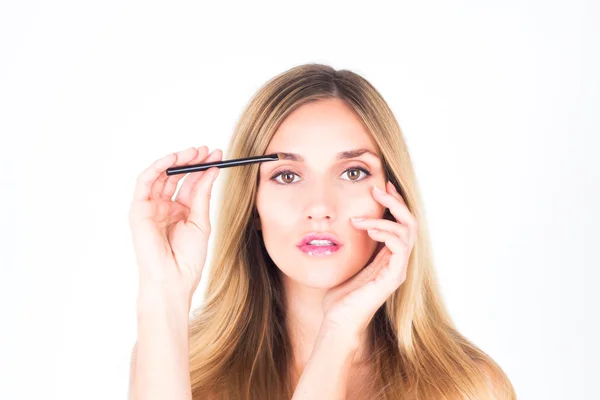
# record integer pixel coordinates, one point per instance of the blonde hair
(239, 347)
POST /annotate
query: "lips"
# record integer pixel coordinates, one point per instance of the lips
(319, 236)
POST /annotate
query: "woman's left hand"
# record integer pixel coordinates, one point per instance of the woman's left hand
(349, 307)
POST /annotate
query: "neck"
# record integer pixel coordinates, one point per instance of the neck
(304, 315)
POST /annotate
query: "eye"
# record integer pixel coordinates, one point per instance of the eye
(290, 173)
(359, 169)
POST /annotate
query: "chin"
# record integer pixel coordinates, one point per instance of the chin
(319, 275)
(319, 272)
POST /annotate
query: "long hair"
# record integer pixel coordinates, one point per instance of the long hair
(239, 347)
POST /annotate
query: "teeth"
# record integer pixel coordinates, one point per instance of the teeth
(321, 243)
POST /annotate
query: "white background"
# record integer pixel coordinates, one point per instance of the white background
(498, 102)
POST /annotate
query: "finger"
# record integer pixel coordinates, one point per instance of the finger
(415, 226)
(368, 272)
(159, 183)
(396, 206)
(200, 200)
(173, 180)
(393, 242)
(371, 271)
(394, 192)
(384, 225)
(393, 274)
(379, 289)
(146, 179)
(187, 187)
(398, 209)
(396, 268)
(372, 268)
(170, 185)
(158, 190)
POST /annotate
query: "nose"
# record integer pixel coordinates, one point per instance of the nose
(320, 205)
(318, 216)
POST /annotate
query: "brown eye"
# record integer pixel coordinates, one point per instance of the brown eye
(287, 176)
(353, 172)
(290, 177)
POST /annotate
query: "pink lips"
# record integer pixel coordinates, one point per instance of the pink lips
(319, 236)
(319, 250)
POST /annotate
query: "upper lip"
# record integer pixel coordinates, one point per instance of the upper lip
(319, 236)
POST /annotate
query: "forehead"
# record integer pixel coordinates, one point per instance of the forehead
(321, 129)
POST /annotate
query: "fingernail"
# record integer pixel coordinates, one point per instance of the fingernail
(357, 219)
(373, 230)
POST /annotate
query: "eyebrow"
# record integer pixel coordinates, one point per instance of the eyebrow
(340, 156)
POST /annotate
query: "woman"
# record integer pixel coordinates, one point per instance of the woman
(360, 318)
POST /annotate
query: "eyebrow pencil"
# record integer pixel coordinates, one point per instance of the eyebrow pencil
(222, 164)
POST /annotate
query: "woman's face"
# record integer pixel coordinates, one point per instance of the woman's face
(320, 193)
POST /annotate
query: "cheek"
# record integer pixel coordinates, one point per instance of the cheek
(364, 204)
(280, 231)
(278, 219)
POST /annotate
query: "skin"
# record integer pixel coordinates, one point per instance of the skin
(339, 294)
(320, 194)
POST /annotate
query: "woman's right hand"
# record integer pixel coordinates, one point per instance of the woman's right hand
(170, 237)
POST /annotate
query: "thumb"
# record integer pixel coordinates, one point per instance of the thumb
(200, 209)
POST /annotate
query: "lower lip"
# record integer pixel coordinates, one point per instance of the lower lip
(318, 250)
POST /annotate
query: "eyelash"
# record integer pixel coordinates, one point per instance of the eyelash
(366, 171)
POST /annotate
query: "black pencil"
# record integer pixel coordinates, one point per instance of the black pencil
(222, 164)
